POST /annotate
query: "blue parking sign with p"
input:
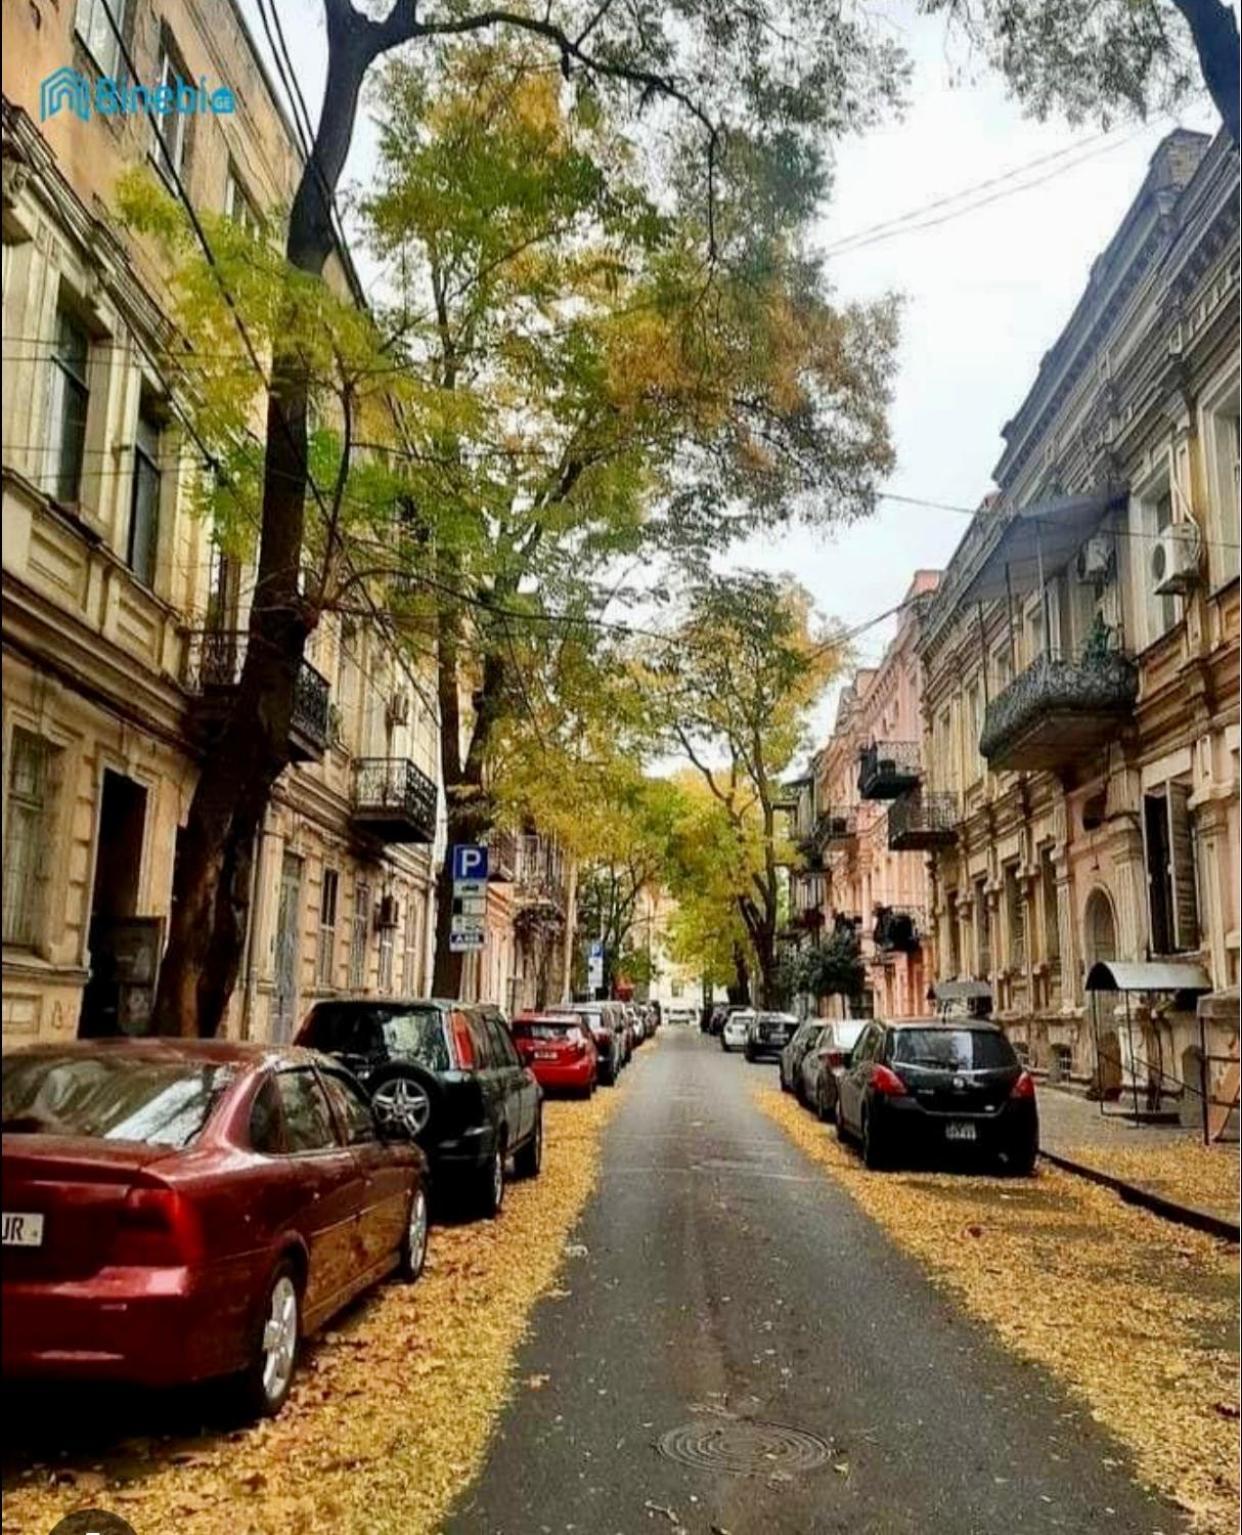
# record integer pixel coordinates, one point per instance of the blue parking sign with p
(469, 861)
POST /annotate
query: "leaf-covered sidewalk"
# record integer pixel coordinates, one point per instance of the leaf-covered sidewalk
(1137, 1317)
(391, 1412)
(1171, 1161)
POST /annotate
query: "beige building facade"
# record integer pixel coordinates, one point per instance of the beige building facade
(123, 625)
(1080, 664)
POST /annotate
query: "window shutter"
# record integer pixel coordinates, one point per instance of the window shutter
(1185, 906)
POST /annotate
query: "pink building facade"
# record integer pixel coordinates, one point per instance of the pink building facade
(871, 758)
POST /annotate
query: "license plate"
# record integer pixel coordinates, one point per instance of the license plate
(545, 1055)
(23, 1230)
(959, 1131)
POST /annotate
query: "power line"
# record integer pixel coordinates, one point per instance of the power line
(906, 223)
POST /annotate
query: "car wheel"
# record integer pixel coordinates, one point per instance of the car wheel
(838, 1119)
(407, 1096)
(750, 1055)
(528, 1160)
(874, 1150)
(1021, 1161)
(414, 1242)
(491, 1186)
(269, 1376)
(821, 1106)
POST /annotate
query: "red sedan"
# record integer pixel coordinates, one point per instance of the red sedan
(175, 1211)
(559, 1049)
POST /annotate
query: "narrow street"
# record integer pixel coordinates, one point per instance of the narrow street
(737, 1348)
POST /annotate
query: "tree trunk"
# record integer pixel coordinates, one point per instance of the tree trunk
(1215, 31)
(739, 992)
(211, 885)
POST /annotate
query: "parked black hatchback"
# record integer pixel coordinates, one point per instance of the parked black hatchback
(932, 1086)
(451, 1073)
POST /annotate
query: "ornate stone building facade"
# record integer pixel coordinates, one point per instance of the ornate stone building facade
(123, 625)
(1080, 662)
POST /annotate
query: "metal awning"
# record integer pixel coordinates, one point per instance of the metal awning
(962, 991)
(1042, 537)
(1152, 975)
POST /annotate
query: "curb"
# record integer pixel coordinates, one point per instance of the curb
(1135, 1194)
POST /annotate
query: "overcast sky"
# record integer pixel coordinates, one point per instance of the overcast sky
(986, 293)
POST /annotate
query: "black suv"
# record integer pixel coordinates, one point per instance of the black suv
(451, 1073)
(927, 1085)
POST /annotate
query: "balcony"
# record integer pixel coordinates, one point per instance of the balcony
(898, 929)
(213, 668)
(502, 857)
(539, 873)
(394, 800)
(1060, 711)
(836, 827)
(919, 823)
(887, 769)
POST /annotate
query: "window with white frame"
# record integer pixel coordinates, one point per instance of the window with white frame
(27, 831)
(68, 402)
(1222, 437)
(1015, 917)
(385, 959)
(169, 130)
(359, 936)
(97, 23)
(412, 968)
(239, 205)
(144, 509)
(325, 958)
(1155, 514)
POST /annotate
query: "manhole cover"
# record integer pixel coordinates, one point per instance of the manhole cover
(744, 1448)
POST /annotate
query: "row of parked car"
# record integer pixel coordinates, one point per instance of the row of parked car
(181, 1210)
(900, 1089)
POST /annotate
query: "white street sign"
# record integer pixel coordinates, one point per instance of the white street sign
(461, 943)
(470, 887)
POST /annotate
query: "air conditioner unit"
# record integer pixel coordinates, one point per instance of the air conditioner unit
(399, 708)
(1175, 559)
(387, 912)
(1095, 560)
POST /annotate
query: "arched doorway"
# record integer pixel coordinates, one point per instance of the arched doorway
(1099, 932)
(1099, 929)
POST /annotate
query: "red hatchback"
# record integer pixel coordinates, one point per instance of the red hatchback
(559, 1049)
(175, 1211)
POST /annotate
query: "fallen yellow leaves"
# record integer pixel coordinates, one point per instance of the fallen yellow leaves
(393, 1407)
(1205, 1177)
(1137, 1317)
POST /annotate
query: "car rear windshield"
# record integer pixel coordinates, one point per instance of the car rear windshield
(416, 1033)
(953, 1049)
(158, 1103)
(846, 1034)
(547, 1028)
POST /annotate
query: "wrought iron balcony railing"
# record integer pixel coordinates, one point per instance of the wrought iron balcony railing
(212, 672)
(1061, 710)
(394, 800)
(919, 822)
(540, 873)
(898, 928)
(502, 856)
(888, 768)
(835, 827)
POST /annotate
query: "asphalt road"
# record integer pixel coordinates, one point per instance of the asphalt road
(742, 1352)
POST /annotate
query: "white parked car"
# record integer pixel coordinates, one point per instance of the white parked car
(735, 1029)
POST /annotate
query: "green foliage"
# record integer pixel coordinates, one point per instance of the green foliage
(1100, 59)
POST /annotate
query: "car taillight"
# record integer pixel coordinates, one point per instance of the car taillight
(463, 1044)
(157, 1228)
(887, 1082)
(834, 1058)
(1024, 1087)
(603, 1039)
